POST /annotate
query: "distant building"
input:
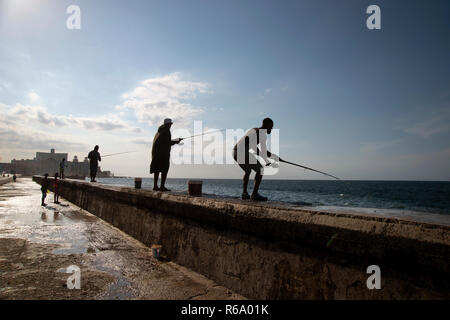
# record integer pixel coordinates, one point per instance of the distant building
(5, 167)
(44, 156)
(48, 162)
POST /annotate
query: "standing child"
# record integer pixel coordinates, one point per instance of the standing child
(55, 189)
(44, 189)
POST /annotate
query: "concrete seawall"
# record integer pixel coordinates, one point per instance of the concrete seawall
(265, 251)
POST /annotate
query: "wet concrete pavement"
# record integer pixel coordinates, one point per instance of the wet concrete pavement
(38, 244)
(4, 180)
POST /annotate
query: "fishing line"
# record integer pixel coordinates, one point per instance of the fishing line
(307, 168)
(202, 134)
(114, 154)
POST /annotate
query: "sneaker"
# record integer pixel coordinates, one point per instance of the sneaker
(164, 189)
(245, 196)
(258, 197)
(156, 189)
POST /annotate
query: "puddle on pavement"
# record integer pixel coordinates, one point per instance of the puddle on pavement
(121, 288)
(23, 217)
(65, 225)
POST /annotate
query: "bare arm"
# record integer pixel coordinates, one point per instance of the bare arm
(263, 147)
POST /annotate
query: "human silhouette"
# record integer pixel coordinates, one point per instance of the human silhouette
(56, 189)
(94, 158)
(244, 154)
(44, 188)
(62, 165)
(162, 143)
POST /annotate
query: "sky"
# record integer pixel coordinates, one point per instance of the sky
(357, 103)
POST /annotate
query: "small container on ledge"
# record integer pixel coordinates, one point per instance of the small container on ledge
(137, 183)
(195, 188)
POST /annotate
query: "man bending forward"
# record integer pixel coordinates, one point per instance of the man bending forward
(248, 161)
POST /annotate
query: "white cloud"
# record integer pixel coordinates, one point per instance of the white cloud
(164, 97)
(142, 141)
(23, 138)
(20, 114)
(34, 97)
(29, 126)
(105, 123)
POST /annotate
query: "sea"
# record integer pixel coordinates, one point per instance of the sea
(424, 201)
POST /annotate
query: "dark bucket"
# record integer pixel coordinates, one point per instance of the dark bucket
(195, 188)
(137, 183)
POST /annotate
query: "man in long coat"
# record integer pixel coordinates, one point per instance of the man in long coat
(94, 158)
(162, 143)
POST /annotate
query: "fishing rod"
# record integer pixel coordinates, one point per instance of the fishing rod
(113, 154)
(202, 134)
(294, 164)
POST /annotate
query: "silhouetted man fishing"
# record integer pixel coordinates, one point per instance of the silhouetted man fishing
(248, 161)
(162, 143)
(94, 158)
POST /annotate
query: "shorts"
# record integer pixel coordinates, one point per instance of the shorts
(251, 163)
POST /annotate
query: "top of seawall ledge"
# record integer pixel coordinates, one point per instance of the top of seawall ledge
(274, 218)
